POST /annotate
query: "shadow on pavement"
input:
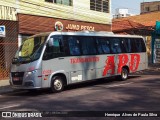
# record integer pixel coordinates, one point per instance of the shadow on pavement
(89, 84)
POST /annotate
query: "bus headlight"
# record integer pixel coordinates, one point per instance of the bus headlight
(31, 72)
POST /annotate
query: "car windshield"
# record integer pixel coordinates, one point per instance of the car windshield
(30, 50)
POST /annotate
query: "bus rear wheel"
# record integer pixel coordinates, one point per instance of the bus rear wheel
(124, 74)
(57, 84)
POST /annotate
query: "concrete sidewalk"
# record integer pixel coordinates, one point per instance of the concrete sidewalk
(5, 86)
(4, 82)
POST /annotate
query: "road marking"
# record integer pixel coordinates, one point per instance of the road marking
(9, 106)
(118, 85)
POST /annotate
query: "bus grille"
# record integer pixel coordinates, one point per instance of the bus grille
(17, 78)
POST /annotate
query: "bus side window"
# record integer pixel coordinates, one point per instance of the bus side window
(105, 43)
(88, 45)
(56, 46)
(56, 50)
(136, 45)
(74, 45)
(126, 45)
(143, 45)
(140, 46)
(99, 46)
(115, 45)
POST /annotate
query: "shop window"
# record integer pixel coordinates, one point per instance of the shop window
(147, 9)
(100, 5)
(64, 2)
(49, 1)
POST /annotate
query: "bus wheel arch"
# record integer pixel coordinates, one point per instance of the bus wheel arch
(58, 81)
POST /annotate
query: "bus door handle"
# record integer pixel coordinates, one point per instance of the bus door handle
(60, 58)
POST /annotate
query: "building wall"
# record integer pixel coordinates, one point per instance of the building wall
(150, 7)
(31, 24)
(8, 46)
(26, 17)
(8, 43)
(79, 11)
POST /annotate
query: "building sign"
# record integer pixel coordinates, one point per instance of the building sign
(157, 51)
(7, 13)
(76, 27)
(58, 26)
(72, 27)
(2, 31)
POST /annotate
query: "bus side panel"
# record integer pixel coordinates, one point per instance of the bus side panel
(143, 62)
(80, 68)
(52, 67)
(136, 64)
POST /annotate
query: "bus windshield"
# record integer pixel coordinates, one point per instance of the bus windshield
(30, 50)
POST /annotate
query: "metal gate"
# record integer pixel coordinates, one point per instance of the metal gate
(8, 46)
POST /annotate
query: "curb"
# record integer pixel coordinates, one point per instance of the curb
(5, 89)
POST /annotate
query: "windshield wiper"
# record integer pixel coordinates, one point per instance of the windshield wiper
(30, 57)
(24, 59)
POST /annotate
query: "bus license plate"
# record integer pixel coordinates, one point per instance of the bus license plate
(15, 79)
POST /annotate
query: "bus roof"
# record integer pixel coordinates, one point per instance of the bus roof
(88, 33)
(101, 33)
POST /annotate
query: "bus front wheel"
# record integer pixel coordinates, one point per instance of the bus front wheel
(57, 84)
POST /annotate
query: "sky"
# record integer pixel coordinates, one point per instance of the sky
(132, 5)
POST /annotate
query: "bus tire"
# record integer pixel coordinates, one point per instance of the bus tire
(57, 84)
(124, 74)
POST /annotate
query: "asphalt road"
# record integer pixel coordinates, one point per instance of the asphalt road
(138, 93)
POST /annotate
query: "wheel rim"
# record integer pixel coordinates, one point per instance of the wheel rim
(124, 74)
(57, 85)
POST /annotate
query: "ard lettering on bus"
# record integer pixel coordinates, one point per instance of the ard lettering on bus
(135, 60)
(110, 65)
(123, 60)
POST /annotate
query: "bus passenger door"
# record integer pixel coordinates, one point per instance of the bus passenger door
(51, 59)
